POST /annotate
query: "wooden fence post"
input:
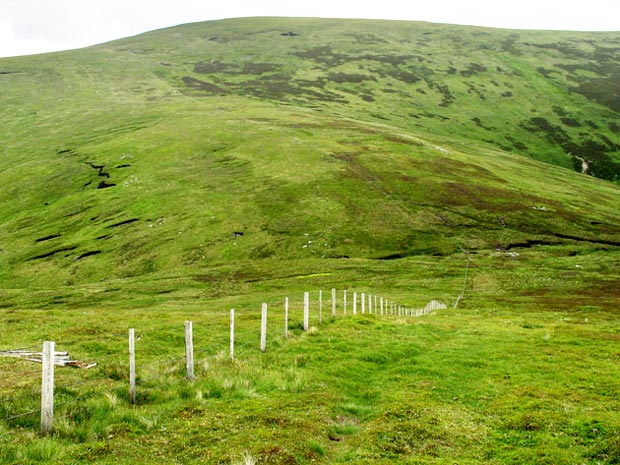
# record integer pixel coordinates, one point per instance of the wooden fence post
(232, 333)
(132, 366)
(381, 301)
(363, 303)
(286, 317)
(369, 303)
(344, 302)
(263, 328)
(189, 350)
(355, 303)
(47, 388)
(333, 303)
(307, 311)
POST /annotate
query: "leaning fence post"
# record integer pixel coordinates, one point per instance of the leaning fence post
(333, 303)
(263, 328)
(189, 350)
(47, 388)
(307, 311)
(132, 366)
(232, 333)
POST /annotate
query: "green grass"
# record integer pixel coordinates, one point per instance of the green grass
(177, 174)
(518, 372)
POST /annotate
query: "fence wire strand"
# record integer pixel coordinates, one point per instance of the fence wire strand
(246, 343)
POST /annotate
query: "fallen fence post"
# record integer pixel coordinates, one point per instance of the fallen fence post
(47, 388)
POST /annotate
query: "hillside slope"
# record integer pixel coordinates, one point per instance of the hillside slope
(232, 141)
(550, 95)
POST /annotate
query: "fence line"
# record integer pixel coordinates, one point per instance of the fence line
(376, 305)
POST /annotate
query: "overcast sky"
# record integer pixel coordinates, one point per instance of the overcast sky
(37, 26)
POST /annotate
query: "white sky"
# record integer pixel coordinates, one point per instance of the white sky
(37, 26)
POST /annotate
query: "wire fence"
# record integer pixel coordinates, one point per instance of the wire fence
(162, 350)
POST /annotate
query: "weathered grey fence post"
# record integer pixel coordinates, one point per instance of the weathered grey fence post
(263, 328)
(307, 311)
(344, 302)
(286, 317)
(333, 303)
(355, 303)
(189, 350)
(232, 333)
(132, 366)
(47, 388)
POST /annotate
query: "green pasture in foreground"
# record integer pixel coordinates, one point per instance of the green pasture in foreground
(523, 371)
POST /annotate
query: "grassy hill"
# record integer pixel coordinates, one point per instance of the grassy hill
(220, 142)
(180, 173)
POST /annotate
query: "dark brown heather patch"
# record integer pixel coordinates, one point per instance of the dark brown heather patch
(324, 55)
(213, 67)
(349, 78)
(197, 84)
